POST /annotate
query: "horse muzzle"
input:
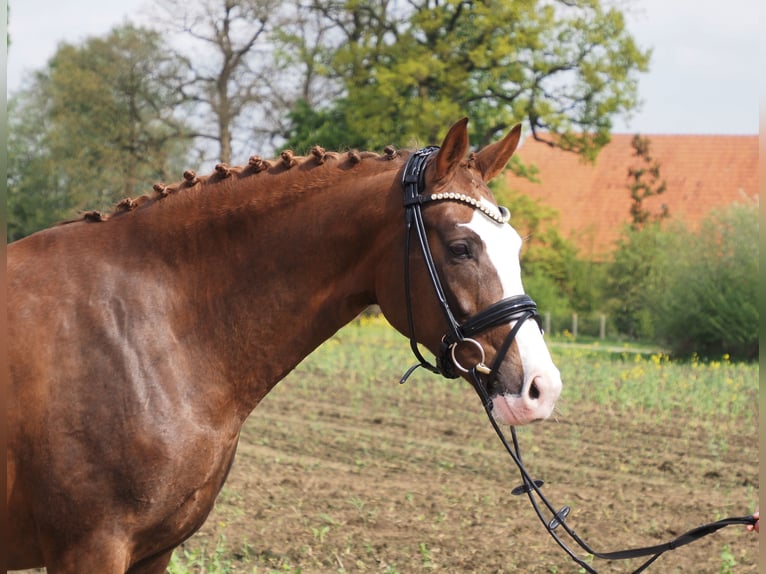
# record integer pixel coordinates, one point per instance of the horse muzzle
(513, 404)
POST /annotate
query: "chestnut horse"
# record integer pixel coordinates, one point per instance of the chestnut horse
(141, 340)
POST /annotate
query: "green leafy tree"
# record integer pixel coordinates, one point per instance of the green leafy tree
(36, 195)
(633, 271)
(630, 281)
(97, 124)
(694, 291)
(326, 126)
(409, 70)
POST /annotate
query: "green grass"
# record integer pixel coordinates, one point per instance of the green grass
(657, 386)
(368, 354)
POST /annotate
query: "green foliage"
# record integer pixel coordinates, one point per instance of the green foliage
(546, 292)
(96, 125)
(328, 128)
(410, 71)
(706, 292)
(728, 560)
(36, 196)
(186, 560)
(659, 386)
(629, 281)
(695, 291)
(636, 255)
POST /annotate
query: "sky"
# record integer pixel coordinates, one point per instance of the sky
(705, 77)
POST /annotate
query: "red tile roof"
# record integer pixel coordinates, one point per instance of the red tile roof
(702, 172)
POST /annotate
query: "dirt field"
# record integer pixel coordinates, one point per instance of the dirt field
(338, 478)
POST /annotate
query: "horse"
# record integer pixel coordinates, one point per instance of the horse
(141, 339)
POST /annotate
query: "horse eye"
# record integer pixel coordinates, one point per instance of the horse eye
(460, 250)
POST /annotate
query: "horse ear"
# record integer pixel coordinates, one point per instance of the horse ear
(491, 160)
(453, 149)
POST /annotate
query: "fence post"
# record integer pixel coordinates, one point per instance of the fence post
(574, 325)
(602, 326)
(547, 322)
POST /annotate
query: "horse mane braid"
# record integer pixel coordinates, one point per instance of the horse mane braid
(222, 170)
(287, 158)
(191, 178)
(319, 154)
(256, 164)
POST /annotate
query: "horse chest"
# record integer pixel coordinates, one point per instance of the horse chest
(171, 501)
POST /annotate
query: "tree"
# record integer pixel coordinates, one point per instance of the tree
(227, 55)
(97, 124)
(644, 182)
(329, 126)
(631, 276)
(409, 70)
(694, 291)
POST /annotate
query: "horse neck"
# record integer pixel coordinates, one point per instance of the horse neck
(267, 276)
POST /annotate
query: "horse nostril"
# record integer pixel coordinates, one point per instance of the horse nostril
(534, 392)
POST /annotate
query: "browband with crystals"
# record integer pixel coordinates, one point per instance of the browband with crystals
(502, 216)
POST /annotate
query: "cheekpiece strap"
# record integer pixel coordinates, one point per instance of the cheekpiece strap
(413, 182)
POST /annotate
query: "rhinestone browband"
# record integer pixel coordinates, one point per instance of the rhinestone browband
(501, 216)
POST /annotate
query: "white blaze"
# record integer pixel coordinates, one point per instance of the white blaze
(502, 245)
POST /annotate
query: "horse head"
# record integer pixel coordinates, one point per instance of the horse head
(467, 304)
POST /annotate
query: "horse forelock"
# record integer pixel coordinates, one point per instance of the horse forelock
(258, 171)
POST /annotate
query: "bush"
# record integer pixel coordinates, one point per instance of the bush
(696, 292)
(546, 292)
(706, 286)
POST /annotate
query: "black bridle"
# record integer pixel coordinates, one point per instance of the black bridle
(518, 308)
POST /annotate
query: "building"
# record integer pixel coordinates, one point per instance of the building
(702, 172)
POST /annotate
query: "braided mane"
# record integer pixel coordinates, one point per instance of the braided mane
(223, 172)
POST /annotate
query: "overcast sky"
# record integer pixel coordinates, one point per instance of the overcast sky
(705, 77)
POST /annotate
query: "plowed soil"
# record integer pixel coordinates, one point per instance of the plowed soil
(416, 481)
